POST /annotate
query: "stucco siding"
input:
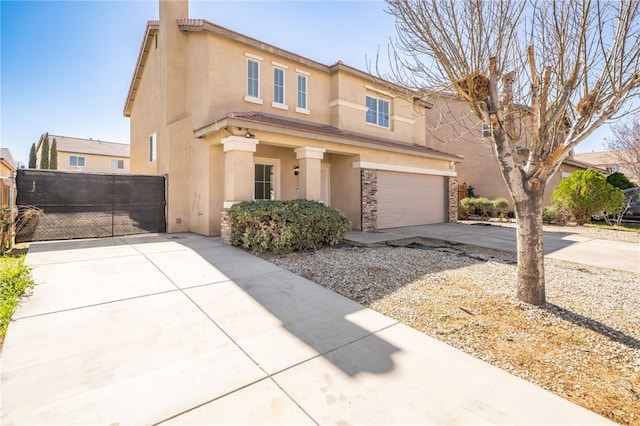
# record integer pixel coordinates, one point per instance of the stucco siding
(345, 187)
(92, 163)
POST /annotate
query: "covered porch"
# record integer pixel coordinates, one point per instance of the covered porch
(256, 156)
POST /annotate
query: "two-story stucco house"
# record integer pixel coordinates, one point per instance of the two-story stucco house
(229, 118)
(87, 155)
(451, 126)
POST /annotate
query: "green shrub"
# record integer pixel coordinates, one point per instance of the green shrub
(555, 215)
(585, 193)
(466, 207)
(500, 204)
(482, 205)
(619, 180)
(475, 205)
(285, 226)
(15, 277)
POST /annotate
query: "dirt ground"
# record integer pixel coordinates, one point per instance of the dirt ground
(573, 362)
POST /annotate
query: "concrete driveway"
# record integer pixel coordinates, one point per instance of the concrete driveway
(567, 246)
(183, 329)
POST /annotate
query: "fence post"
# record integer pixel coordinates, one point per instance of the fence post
(12, 206)
(113, 203)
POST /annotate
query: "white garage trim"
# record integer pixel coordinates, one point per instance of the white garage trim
(403, 169)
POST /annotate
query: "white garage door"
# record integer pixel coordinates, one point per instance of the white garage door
(406, 199)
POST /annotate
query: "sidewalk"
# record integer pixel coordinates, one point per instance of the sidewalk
(183, 329)
(557, 245)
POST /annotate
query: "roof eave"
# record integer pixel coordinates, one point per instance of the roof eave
(150, 31)
(227, 121)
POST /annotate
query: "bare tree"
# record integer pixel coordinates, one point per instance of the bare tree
(625, 144)
(561, 67)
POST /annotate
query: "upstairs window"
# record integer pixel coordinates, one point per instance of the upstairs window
(253, 78)
(378, 111)
(117, 164)
(486, 131)
(302, 91)
(76, 161)
(278, 85)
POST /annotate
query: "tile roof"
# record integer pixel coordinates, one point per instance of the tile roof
(89, 146)
(324, 130)
(5, 155)
(600, 158)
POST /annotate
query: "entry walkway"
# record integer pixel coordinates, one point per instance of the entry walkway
(567, 246)
(183, 329)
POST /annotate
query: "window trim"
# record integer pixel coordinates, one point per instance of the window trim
(276, 104)
(77, 158)
(378, 101)
(302, 109)
(276, 173)
(250, 97)
(118, 162)
(486, 131)
(153, 148)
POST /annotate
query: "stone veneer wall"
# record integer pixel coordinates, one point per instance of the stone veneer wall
(369, 197)
(452, 197)
(225, 227)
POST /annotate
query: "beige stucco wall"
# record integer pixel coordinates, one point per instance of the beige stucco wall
(348, 109)
(146, 117)
(92, 163)
(345, 187)
(5, 170)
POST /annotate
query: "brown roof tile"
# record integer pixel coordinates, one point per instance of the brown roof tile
(323, 129)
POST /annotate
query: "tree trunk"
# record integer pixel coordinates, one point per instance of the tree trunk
(530, 269)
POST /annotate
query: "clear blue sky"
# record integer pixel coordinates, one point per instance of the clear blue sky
(66, 66)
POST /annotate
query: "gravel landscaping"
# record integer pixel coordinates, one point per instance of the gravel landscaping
(583, 345)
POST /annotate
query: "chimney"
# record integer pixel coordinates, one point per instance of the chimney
(173, 48)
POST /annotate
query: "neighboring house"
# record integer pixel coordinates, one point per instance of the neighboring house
(610, 161)
(229, 118)
(452, 127)
(7, 167)
(87, 155)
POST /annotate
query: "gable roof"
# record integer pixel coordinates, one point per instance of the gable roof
(5, 155)
(88, 146)
(583, 165)
(268, 122)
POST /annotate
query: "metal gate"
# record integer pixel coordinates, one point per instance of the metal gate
(91, 205)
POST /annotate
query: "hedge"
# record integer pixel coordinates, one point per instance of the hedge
(285, 226)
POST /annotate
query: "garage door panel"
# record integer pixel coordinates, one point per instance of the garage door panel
(406, 199)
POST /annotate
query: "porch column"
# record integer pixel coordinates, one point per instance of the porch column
(238, 169)
(309, 159)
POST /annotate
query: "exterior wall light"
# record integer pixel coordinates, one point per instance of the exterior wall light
(296, 170)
